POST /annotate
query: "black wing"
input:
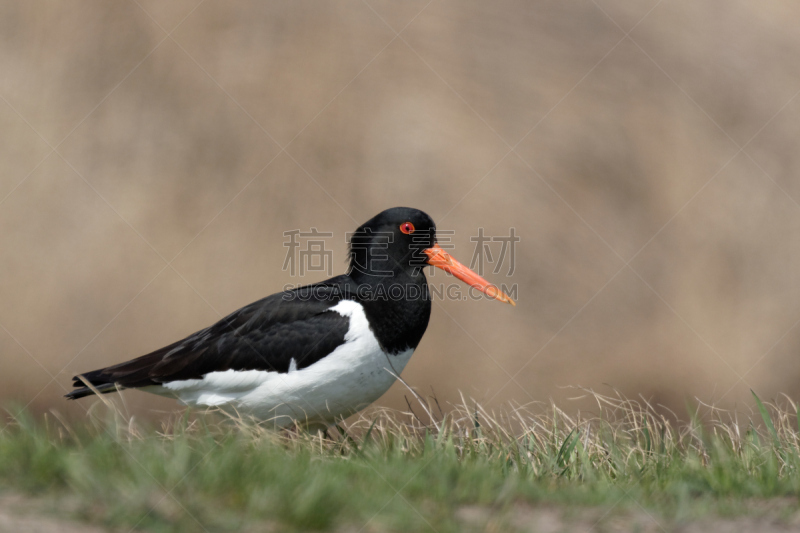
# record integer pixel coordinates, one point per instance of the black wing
(265, 335)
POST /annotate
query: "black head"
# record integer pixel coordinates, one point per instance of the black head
(393, 241)
(398, 243)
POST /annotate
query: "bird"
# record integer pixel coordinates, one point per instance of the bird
(311, 355)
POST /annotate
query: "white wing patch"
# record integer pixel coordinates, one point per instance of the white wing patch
(217, 388)
(359, 325)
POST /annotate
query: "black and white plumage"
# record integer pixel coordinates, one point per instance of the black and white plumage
(311, 354)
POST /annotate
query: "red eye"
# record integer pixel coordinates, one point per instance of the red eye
(407, 228)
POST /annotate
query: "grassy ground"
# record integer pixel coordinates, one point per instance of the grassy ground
(534, 469)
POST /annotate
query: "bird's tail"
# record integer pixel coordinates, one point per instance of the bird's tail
(91, 383)
(127, 375)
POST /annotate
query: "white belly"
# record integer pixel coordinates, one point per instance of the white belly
(347, 380)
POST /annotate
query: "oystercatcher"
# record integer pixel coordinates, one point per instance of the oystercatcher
(312, 354)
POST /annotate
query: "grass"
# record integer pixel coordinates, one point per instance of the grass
(391, 471)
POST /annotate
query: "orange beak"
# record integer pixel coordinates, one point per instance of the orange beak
(440, 259)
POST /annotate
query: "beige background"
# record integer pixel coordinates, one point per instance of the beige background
(153, 154)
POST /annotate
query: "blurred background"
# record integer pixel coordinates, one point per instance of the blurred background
(153, 153)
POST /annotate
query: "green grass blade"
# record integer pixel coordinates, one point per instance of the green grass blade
(767, 419)
(369, 431)
(567, 447)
